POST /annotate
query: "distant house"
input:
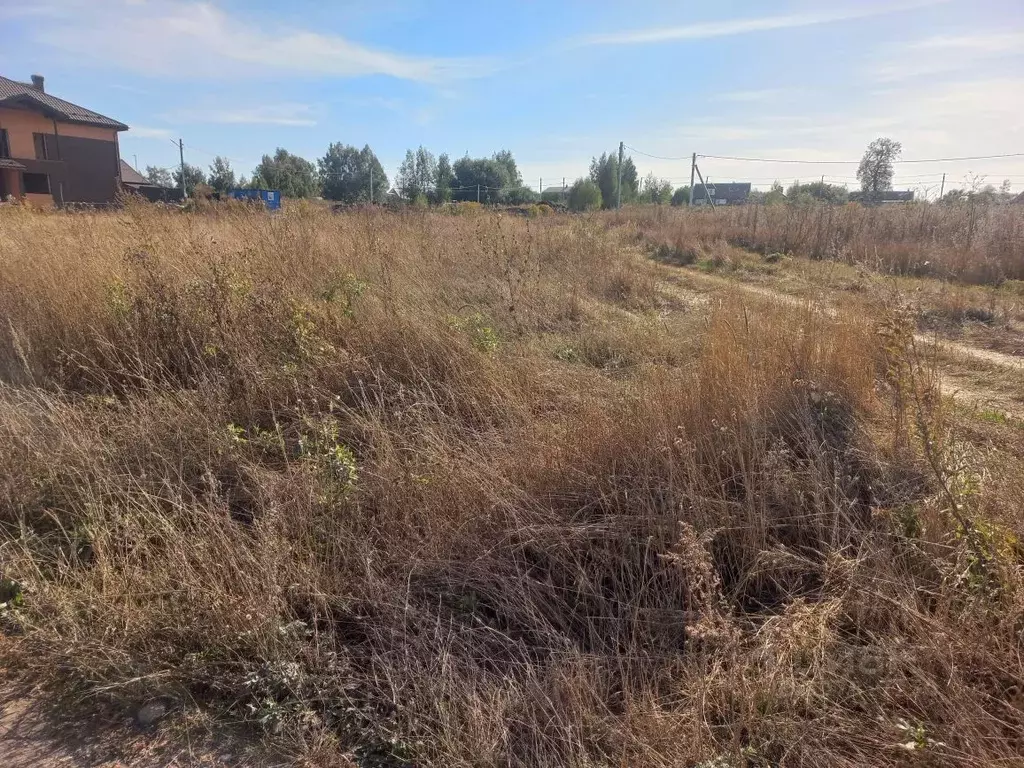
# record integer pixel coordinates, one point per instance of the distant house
(134, 182)
(733, 193)
(54, 152)
(880, 198)
(557, 194)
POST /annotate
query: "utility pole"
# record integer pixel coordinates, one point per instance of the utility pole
(181, 154)
(693, 167)
(618, 183)
(703, 183)
(371, 183)
(942, 188)
(478, 194)
(540, 189)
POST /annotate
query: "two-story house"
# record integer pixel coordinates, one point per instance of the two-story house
(53, 152)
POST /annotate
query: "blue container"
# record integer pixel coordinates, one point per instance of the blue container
(270, 197)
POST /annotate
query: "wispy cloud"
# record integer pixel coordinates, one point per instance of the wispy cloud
(142, 132)
(729, 27)
(988, 42)
(192, 39)
(946, 54)
(763, 95)
(419, 114)
(289, 115)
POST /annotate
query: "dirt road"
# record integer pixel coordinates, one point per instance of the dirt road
(980, 378)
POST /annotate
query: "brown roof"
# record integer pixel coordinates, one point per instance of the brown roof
(22, 94)
(6, 162)
(130, 176)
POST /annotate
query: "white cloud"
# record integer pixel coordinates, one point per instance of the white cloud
(142, 132)
(728, 27)
(989, 42)
(946, 53)
(197, 39)
(756, 96)
(289, 115)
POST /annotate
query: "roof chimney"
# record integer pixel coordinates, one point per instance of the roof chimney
(38, 82)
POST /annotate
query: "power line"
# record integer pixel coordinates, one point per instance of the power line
(854, 162)
(215, 154)
(824, 162)
(659, 157)
(776, 160)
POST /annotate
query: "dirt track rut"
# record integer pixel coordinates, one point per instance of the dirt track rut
(957, 379)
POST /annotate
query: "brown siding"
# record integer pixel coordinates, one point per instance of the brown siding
(90, 170)
(84, 163)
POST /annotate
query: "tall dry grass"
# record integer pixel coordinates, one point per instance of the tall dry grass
(967, 242)
(433, 490)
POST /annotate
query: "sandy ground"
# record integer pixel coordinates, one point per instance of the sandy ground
(35, 732)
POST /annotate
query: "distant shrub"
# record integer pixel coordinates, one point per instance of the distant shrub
(584, 195)
(519, 196)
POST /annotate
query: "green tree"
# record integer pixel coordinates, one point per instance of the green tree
(445, 180)
(521, 195)
(656, 191)
(604, 171)
(954, 196)
(159, 176)
(505, 159)
(816, 191)
(876, 167)
(290, 174)
(681, 196)
(584, 195)
(776, 195)
(353, 175)
(494, 175)
(417, 175)
(222, 178)
(194, 176)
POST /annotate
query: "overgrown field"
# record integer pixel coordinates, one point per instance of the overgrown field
(968, 242)
(423, 489)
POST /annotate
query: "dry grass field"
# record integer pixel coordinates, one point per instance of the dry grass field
(967, 242)
(409, 489)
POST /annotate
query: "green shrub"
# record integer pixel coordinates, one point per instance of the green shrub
(584, 195)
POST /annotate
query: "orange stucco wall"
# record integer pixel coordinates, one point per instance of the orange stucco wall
(39, 201)
(21, 124)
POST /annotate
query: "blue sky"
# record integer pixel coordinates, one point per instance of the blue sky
(555, 82)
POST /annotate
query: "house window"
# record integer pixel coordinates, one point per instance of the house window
(5, 148)
(36, 184)
(45, 149)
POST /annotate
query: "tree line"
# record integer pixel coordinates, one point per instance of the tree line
(351, 175)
